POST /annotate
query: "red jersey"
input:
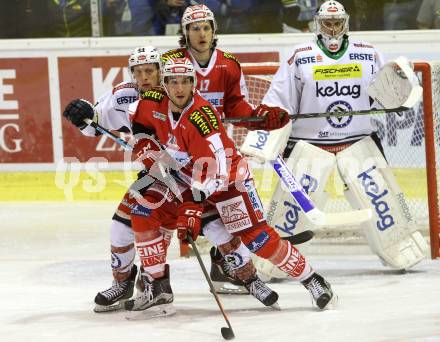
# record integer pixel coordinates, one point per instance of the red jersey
(221, 82)
(197, 140)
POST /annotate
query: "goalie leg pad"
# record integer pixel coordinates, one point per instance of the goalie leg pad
(391, 233)
(284, 214)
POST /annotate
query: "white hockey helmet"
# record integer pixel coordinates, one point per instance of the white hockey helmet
(331, 35)
(143, 55)
(178, 67)
(195, 14)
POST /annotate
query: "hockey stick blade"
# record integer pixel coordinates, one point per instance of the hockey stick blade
(227, 333)
(299, 238)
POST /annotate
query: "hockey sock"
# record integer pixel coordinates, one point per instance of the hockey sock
(238, 258)
(152, 250)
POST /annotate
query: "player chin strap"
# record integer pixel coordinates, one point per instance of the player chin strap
(396, 88)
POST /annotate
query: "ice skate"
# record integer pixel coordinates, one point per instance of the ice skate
(262, 292)
(222, 275)
(320, 290)
(155, 301)
(113, 298)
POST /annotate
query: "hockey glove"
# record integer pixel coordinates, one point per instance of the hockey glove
(78, 110)
(274, 117)
(147, 151)
(189, 220)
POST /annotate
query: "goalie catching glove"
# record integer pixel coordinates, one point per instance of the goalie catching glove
(189, 220)
(77, 111)
(273, 118)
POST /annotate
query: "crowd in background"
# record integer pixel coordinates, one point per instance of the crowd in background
(72, 18)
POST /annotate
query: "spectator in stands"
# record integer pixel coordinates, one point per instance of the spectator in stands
(112, 11)
(429, 15)
(157, 17)
(70, 18)
(401, 14)
(247, 16)
(23, 19)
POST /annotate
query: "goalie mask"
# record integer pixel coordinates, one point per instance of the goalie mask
(143, 55)
(331, 25)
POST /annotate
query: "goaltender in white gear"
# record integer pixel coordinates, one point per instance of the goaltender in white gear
(334, 74)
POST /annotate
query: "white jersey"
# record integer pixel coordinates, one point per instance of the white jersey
(112, 108)
(312, 82)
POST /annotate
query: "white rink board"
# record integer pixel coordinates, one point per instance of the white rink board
(55, 258)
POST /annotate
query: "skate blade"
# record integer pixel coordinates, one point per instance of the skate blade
(109, 308)
(153, 312)
(228, 288)
(332, 304)
(276, 306)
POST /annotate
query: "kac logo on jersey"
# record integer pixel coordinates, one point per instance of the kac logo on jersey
(342, 121)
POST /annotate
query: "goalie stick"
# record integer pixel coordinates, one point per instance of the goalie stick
(312, 213)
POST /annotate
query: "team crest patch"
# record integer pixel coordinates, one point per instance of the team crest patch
(159, 116)
(234, 214)
(342, 121)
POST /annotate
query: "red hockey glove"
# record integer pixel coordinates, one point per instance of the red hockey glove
(147, 151)
(189, 220)
(274, 117)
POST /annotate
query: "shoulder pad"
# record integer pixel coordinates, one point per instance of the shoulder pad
(363, 45)
(124, 85)
(228, 55)
(154, 94)
(175, 53)
(298, 50)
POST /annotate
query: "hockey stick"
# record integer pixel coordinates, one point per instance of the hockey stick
(227, 333)
(297, 239)
(106, 132)
(312, 213)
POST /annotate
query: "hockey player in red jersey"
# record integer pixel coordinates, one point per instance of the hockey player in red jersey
(219, 76)
(190, 130)
(221, 82)
(111, 112)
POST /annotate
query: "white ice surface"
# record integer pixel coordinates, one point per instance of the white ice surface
(54, 258)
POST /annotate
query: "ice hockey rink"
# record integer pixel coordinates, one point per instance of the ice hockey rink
(54, 258)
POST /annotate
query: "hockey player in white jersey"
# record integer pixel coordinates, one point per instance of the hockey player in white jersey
(111, 112)
(329, 74)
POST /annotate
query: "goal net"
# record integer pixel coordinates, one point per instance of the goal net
(410, 142)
